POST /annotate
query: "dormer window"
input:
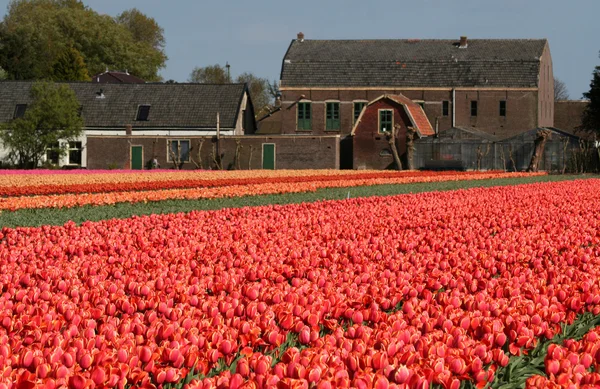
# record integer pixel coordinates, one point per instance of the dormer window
(143, 113)
(20, 111)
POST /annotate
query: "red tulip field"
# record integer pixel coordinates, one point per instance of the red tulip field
(441, 289)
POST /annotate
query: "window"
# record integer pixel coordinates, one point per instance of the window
(52, 153)
(20, 111)
(179, 148)
(502, 108)
(74, 153)
(304, 116)
(445, 108)
(358, 107)
(143, 113)
(386, 120)
(332, 122)
(473, 108)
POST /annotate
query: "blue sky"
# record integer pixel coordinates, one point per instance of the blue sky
(254, 35)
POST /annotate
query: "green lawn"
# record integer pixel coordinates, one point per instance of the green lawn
(38, 217)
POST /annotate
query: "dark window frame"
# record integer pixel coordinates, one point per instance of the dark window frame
(332, 116)
(474, 108)
(143, 113)
(20, 110)
(445, 108)
(502, 108)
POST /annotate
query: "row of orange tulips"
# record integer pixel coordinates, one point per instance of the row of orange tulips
(206, 181)
(394, 292)
(32, 178)
(288, 186)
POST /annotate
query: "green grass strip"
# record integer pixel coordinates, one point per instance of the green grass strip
(59, 216)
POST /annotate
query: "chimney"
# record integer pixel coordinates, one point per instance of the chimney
(301, 36)
(128, 129)
(463, 42)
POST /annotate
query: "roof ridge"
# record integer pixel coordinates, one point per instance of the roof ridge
(422, 39)
(123, 83)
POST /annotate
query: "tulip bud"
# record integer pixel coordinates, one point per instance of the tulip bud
(402, 375)
(77, 382)
(145, 354)
(98, 375)
(304, 335)
(552, 367)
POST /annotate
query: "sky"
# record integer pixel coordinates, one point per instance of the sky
(253, 36)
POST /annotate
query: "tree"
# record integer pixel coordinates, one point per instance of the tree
(53, 115)
(560, 90)
(591, 115)
(143, 28)
(70, 66)
(261, 92)
(212, 74)
(36, 33)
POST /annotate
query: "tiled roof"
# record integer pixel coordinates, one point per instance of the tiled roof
(412, 63)
(414, 110)
(171, 105)
(416, 113)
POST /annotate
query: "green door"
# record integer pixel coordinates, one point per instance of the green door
(137, 157)
(268, 156)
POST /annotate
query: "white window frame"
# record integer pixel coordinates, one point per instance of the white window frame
(69, 149)
(379, 120)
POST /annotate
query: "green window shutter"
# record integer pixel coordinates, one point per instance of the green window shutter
(332, 119)
(358, 107)
(304, 114)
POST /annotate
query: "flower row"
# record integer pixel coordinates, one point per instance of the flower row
(573, 364)
(399, 291)
(31, 178)
(174, 182)
(288, 186)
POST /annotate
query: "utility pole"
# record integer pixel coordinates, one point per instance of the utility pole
(228, 66)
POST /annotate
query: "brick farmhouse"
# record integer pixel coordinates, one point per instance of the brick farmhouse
(503, 87)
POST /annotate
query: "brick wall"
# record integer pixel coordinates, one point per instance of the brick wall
(521, 108)
(568, 113)
(546, 90)
(291, 152)
(370, 147)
